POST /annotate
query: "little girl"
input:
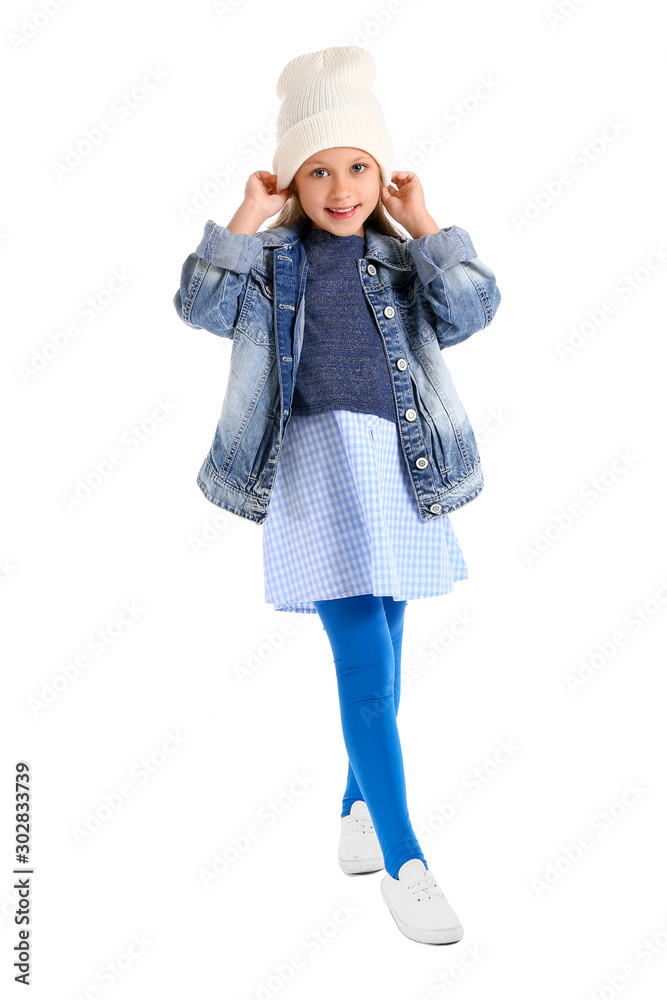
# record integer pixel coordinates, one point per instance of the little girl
(341, 430)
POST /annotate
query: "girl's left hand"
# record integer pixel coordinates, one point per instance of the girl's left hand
(405, 205)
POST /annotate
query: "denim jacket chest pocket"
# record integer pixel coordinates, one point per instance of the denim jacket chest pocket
(256, 315)
(409, 304)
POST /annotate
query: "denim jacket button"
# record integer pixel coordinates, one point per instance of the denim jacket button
(371, 268)
(421, 463)
(389, 312)
(410, 414)
(435, 508)
(401, 364)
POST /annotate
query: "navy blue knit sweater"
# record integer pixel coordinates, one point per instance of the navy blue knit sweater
(342, 365)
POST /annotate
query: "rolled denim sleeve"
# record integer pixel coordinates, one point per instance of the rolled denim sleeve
(233, 251)
(459, 289)
(213, 279)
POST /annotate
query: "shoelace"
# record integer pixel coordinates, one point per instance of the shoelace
(425, 888)
(362, 825)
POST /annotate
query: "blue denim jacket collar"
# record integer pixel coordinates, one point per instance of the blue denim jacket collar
(378, 246)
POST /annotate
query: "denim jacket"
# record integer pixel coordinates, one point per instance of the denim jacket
(425, 294)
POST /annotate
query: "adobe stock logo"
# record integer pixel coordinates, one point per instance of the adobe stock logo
(34, 23)
(131, 440)
(595, 487)
(581, 159)
(600, 825)
(624, 289)
(92, 137)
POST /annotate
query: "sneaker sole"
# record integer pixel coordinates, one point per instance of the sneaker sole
(360, 866)
(447, 935)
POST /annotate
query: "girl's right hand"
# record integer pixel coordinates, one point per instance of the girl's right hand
(261, 190)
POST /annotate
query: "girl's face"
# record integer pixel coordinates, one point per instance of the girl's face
(340, 177)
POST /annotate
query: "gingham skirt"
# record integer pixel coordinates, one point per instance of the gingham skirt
(343, 518)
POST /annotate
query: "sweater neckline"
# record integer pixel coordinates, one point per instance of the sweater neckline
(326, 236)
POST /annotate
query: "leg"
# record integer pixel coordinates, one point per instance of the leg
(364, 658)
(394, 613)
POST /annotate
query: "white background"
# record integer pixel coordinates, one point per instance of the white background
(537, 923)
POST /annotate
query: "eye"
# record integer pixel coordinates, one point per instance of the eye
(318, 170)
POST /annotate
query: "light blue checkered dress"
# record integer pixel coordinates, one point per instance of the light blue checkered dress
(343, 519)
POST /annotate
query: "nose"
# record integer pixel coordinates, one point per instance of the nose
(340, 187)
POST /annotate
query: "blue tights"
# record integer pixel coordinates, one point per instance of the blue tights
(365, 634)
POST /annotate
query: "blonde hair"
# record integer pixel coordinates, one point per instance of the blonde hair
(292, 215)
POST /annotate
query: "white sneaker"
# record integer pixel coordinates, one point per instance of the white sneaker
(418, 905)
(359, 849)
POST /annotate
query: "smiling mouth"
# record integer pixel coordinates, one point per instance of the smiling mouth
(345, 213)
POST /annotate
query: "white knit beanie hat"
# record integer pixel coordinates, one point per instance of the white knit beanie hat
(327, 101)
